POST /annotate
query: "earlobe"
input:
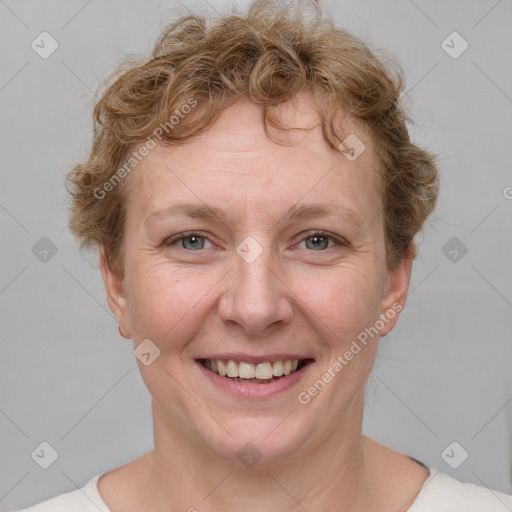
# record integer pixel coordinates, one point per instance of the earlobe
(114, 289)
(396, 291)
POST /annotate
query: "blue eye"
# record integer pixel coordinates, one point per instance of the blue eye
(194, 241)
(319, 241)
(190, 241)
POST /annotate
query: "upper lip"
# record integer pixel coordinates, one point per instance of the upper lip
(247, 358)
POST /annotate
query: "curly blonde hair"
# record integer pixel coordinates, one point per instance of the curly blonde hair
(267, 55)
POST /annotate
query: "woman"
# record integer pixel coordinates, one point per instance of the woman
(254, 196)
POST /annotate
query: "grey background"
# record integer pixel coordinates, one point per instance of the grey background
(67, 377)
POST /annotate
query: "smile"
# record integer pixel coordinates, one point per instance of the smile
(259, 373)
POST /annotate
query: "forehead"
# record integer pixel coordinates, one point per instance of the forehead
(235, 163)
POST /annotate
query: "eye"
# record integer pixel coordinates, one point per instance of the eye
(194, 241)
(319, 241)
(191, 241)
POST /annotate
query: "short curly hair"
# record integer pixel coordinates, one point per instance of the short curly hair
(268, 55)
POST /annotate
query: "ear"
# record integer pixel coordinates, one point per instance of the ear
(115, 293)
(395, 292)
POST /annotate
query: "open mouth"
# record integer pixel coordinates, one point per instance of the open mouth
(260, 373)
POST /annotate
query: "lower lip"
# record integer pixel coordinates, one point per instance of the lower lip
(254, 390)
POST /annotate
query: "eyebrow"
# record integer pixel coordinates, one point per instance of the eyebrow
(309, 211)
(306, 211)
(195, 211)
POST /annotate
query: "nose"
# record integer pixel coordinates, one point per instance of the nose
(256, 298)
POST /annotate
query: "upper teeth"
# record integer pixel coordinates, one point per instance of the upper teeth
(244, 370)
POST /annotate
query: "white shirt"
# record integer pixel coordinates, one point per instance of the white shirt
(439, 493)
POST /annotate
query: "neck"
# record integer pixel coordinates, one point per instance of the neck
(186, 475)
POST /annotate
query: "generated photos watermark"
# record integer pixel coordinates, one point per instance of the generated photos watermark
(142, 151)
(343, 360)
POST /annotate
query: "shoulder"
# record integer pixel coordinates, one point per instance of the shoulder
(442, 493)
(86, 499)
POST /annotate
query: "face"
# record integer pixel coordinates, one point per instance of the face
(237, 248)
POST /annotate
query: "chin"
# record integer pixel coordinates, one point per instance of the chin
(256, 441)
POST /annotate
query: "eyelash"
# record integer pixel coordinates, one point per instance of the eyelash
(190, 234)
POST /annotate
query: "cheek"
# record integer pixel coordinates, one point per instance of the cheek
(164, 302)
(341, 303)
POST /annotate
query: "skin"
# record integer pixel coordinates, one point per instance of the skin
(291, 299)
